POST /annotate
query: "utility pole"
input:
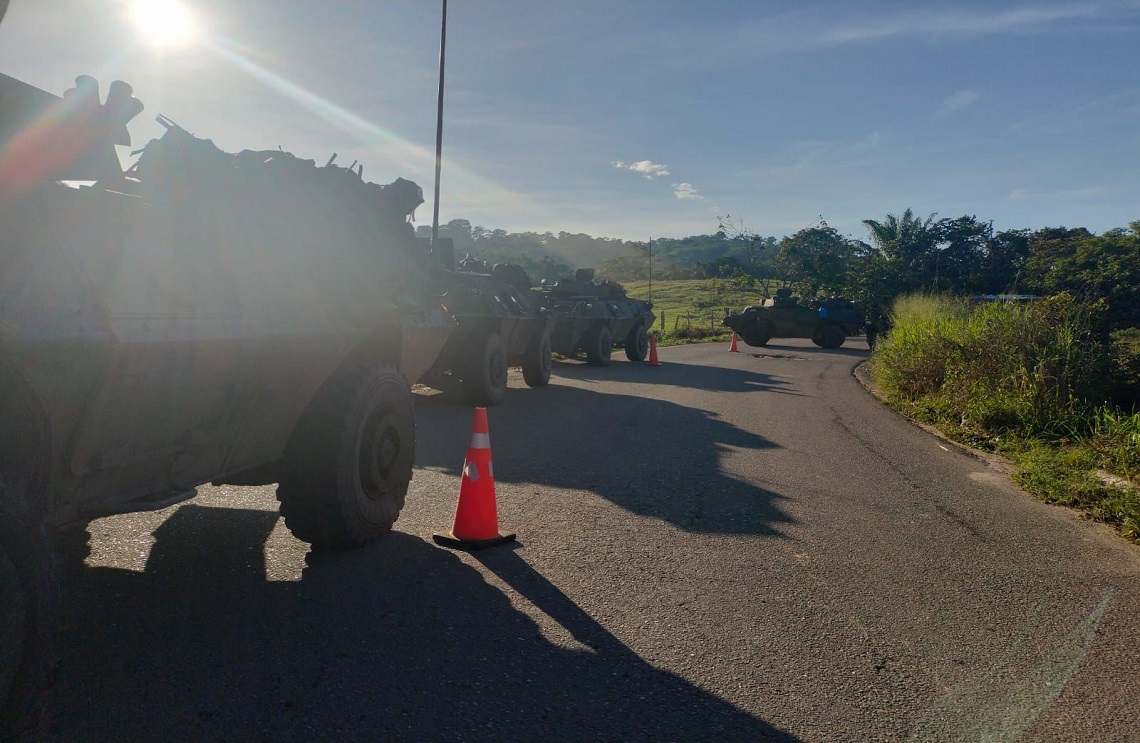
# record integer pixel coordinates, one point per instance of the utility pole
(439, 133)
(651, 269)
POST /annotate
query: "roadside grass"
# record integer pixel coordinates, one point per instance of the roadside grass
(1031, 382)
(691, 310)
(693, 334)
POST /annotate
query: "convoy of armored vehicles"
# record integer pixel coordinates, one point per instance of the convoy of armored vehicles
(501, 323)
(242, 318)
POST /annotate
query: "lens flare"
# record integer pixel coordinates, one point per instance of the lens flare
(164, 23)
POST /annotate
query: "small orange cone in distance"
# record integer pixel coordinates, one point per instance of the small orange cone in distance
(653, 352)
(732, 348)
(476, 517)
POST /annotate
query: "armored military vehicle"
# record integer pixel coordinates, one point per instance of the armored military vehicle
(245, 318)
(502, 323)
(595, 318)
(827, 321)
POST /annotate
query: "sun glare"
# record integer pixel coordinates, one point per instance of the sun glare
(164, 23)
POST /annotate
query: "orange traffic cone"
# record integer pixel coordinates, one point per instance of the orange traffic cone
(476, 518)
(653, 352)
(732, 348)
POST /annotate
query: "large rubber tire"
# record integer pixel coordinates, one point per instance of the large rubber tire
(764, 332)
(829, 336)
(538, 364)
(599, 347)
(637, 344)
(28, 605)
(758, 333)
(349, 461)
(485, 376)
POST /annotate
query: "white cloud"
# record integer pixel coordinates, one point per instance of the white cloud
(872, 142)
(646, 168)
(969, 22)
(961, 99)
(686, 192)
(830, 25)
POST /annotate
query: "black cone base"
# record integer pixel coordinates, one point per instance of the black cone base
(454, 542)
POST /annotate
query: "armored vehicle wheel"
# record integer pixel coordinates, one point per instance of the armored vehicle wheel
(599, 346)
(536, 367)
(349, 461)
(764, 332)
(758, 334)
(485, 377)
(27, 613)
(637, 344)
(829, 336)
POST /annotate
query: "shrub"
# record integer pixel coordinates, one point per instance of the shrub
(1126, 368)
(1115, 437)
(997, 369)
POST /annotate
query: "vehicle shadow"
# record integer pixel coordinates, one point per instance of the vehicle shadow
(774, 348)
(397, 641)
(691, 376)
(650, 456)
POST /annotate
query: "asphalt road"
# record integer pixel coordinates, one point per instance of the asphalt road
(726, 547)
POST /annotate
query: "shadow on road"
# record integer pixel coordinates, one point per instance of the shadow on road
(397, 641)
(650, 456)
(805, 350)
(691, 376)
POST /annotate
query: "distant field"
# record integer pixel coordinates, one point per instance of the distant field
(693, 302)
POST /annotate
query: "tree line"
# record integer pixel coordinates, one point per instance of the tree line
(906, 253)
(902, 254)
(966, 256)
(544, 255)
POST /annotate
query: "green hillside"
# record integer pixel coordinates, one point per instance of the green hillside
(695, 303)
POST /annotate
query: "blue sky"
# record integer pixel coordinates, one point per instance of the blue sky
(639, 119)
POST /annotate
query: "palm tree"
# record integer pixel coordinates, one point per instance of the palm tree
(896, 264)
(907, 239)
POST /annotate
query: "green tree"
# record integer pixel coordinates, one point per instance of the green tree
(960, 256)
(1005, 261)
(1090, 267)
(723, 267)
(626, 267)
(906, 240)
(901, 249)
(818, 259)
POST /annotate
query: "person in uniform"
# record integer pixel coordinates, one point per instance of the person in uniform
(872, 332)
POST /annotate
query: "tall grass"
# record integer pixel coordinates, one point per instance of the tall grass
(998, 369)
(1031, 381)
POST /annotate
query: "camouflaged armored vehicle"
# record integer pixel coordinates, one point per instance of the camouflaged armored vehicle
(501, 323)
(827, 321)
(595, 318)
(245, 318)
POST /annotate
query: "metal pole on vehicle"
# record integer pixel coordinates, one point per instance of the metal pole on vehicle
(439, 131)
